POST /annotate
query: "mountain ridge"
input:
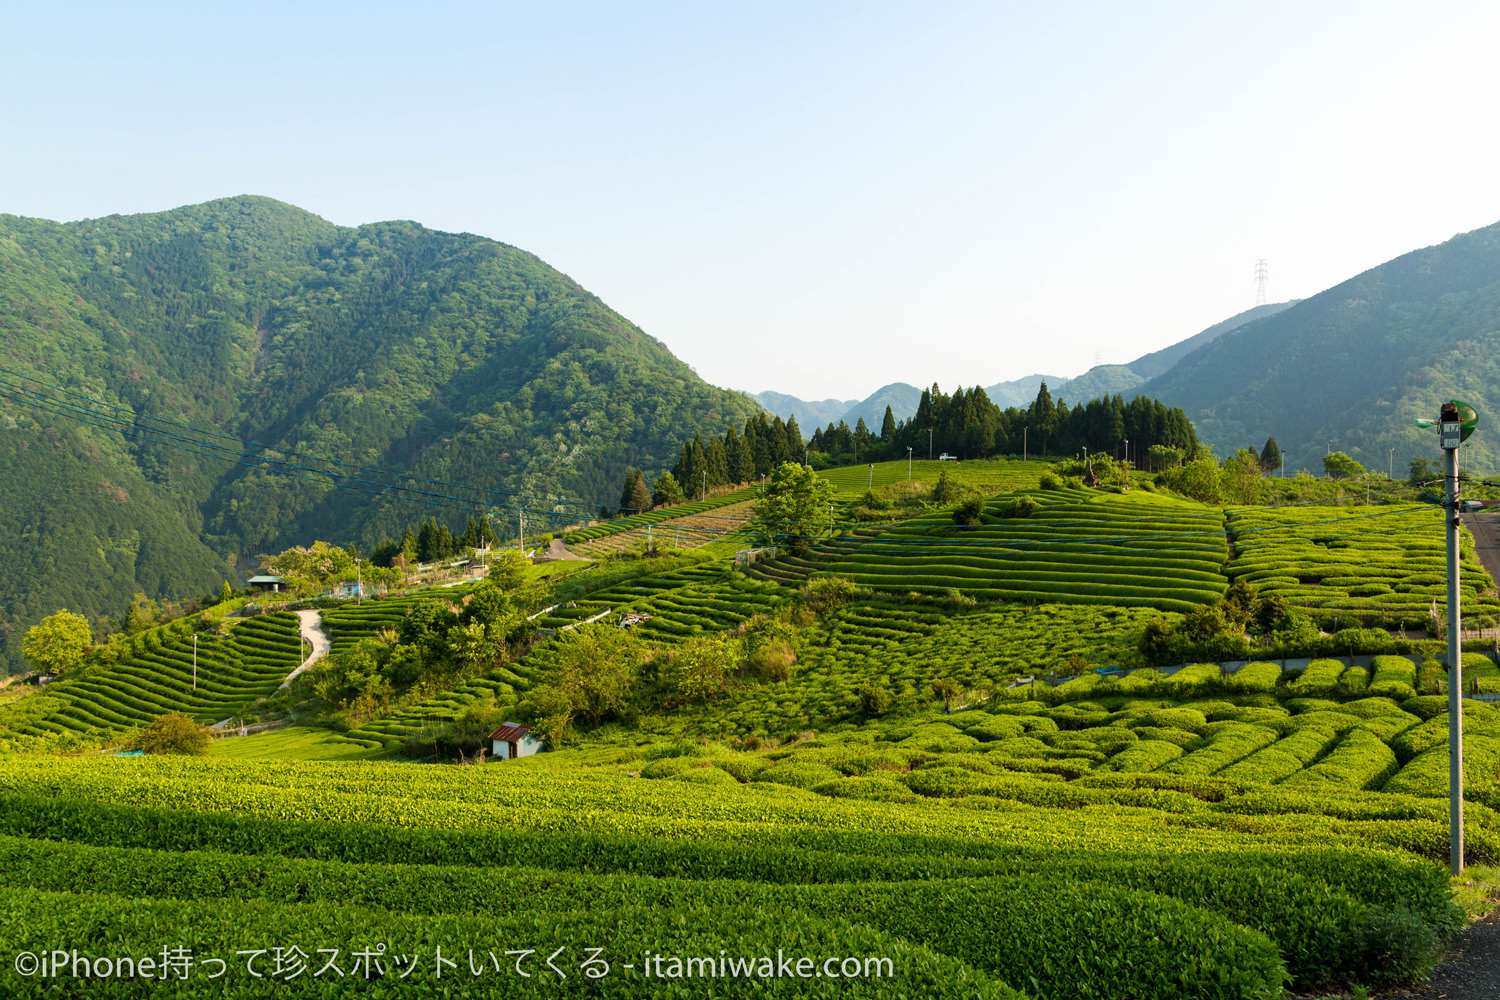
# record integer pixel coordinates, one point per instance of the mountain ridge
(244, 324)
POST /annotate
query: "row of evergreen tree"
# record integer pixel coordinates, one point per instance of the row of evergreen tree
(968, 425)
(434, 540)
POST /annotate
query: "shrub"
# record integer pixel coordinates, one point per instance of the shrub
(172, 733)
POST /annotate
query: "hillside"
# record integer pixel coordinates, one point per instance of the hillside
(158, 371)
(1149, 366)
(1349, 369)
(867, 767)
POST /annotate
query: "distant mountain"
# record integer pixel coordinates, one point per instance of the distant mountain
(900, 397)
(177, 390)
(1350, 368)
(808, 414)
(1021, 392)
(1096, 383)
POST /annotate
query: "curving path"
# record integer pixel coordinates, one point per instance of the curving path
(311, 631)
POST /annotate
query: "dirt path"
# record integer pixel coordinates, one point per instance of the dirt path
(557, 550)
(319, 642)
(1470, 972)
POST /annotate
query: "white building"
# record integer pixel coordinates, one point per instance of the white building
(513, 740)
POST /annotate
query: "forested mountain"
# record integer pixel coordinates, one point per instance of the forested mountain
(174, 387)
(1350, 368)
(1157, 362)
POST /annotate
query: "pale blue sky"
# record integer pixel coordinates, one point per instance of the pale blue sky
(816, 198)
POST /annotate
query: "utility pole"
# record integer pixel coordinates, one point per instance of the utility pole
(1024, 431)
(359, 584)
(908, 463)
(1456, 421)
(1262, 272)
(704, 494)
(1390, 465)
(195, 661)
(870, 483)
(1451, 431)
(929, 444)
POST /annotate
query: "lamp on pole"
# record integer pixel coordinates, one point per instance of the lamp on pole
(1390, 465)
(1456, 421)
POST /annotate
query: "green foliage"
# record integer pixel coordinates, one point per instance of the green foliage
(593, 672)
(666, 491)
(392, 348)
(1341, 466)
(793, 507)
(58, 642)
(173, 733)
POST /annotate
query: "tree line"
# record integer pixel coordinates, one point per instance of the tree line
(968, 424)
(735, 458)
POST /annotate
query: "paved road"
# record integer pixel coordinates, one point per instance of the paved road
(1470, 972)
(1486, 531)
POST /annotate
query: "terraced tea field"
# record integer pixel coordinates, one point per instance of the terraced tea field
(1381, 565)
(155, 676)
(866, 847)
(1076, 546)
(683, 531)
(606, 529)
(993, 475)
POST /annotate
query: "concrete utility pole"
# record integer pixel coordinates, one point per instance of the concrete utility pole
(195, 661)
(908, 463)
(359, 583)
(1456, 421)
(1450, 437)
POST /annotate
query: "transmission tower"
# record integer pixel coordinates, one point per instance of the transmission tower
(1262, 271)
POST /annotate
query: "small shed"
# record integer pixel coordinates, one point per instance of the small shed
(513, 740)
(271, 583)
